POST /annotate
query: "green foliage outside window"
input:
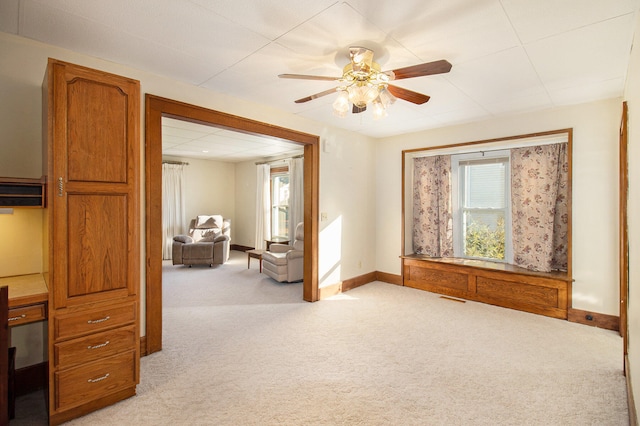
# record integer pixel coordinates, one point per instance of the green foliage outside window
(483, 242)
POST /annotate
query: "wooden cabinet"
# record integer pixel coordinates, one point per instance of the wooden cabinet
(489, 282)
(92, 222)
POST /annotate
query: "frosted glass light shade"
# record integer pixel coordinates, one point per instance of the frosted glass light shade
(341, 104)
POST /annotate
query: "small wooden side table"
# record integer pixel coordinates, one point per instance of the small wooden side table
(255, 254)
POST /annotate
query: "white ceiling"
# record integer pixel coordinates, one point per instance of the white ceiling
(190, 140)
(508, 56)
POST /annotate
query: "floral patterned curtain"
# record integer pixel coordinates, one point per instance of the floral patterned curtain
(539, 200)
(432, 214)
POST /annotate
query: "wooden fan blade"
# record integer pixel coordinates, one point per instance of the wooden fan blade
(408, 95)
(308, 77)
(316, 96)
(437, 67)
(358, 110)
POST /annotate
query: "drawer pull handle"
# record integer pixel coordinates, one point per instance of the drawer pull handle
(98, 379)
(107, 318)
(18, 317)
(102, 345)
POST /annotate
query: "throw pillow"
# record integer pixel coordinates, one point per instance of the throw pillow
(212, 221)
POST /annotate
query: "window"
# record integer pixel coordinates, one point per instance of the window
(521, 184)
(481, 201)
(280, 202)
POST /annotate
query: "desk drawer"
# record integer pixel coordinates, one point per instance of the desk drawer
(93, 320)
(83, 384)
(94, 347)
(27, 314)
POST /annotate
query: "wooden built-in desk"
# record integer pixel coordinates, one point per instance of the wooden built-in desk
(27, 303)
(28, 297)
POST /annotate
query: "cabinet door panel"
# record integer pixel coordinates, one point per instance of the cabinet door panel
(92, 158)
(97, 251)
(97, 148)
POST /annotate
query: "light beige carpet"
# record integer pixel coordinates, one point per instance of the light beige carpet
(241, 349)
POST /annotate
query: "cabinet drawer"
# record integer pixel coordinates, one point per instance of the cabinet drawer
(92, 321)
(93, 347)
(83, 384)
(27, 314)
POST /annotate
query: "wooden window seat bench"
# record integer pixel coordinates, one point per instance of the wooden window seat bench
(494, 283)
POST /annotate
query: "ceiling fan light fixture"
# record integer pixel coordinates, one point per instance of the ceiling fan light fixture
(362, 94)
(341, 104)
(363, 84)
(386, 98)
(379, 109)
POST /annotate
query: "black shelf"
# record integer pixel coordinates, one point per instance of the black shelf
(21, 192)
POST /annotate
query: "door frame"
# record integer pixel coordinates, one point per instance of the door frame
(624, 230)
(157, 107)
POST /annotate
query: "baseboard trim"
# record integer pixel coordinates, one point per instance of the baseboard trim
(385, 277)
(633, 414)
(329, 290)
(31, 378)
(358, 281)
(608, 322)
(350, 284)
(346, 285)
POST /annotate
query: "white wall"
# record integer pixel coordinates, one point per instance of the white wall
(632, 95)
(347, 199)
(209, 188)
(595, 190)
(245, 219)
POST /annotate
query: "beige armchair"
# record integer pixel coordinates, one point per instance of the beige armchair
(285, 262)
(207, 243)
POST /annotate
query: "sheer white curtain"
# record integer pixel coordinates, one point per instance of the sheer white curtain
(296, 194)
(173, 211)
(263, 205)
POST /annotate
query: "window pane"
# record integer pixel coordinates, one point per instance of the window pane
(485, 185)
(280, 205)
(484, 234)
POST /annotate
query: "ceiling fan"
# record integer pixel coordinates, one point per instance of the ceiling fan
(363, 83)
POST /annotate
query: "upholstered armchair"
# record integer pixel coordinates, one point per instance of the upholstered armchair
(284, 262)
(207, 243)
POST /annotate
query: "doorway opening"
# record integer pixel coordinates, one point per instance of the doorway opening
(156, 108)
